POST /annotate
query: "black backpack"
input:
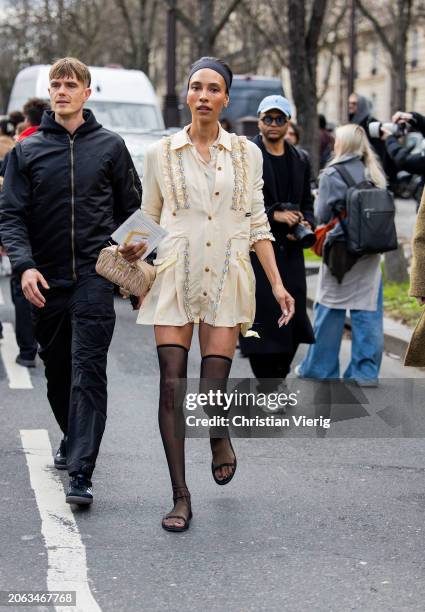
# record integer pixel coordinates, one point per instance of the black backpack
(369, 225)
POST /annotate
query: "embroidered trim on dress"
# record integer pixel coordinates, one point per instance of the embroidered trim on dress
(222, 279)
(240, 169)
(174, 178)
(186, 264)
(262, 233)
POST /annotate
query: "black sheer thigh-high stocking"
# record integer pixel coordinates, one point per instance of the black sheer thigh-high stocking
(173, 374)
(215, 370)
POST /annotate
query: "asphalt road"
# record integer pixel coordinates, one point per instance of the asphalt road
(309, 523)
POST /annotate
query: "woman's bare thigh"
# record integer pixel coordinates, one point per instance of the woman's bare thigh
(173, 334)
(218, 340)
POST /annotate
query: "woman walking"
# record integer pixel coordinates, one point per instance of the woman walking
(203, 185)
(360, 291)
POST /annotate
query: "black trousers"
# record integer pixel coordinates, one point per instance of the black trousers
(74, 330)
(271, 365)
(23, 324)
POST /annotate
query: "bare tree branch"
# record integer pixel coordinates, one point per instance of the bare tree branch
(224, 19)
(333, 26)
(327, 78)
(185, 20)
(127, 19)
(315, 25)
(378, 28)
(274, 44)
(330, 47)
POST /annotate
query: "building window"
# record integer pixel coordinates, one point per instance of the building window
(375, 59)
(373, 99)
(414, 97)
(415, 49)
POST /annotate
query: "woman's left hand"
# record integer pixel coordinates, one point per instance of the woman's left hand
(286, 303)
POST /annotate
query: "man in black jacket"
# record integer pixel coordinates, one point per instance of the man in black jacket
(286, 174)
(66, 189)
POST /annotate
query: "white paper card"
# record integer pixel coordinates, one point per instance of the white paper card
(139, 228)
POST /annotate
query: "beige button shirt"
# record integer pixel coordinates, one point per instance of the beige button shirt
(203, 266)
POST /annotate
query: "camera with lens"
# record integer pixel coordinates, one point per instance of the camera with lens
(397, 129)
(304, 235)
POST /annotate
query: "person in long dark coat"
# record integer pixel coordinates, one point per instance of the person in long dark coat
(286, 180)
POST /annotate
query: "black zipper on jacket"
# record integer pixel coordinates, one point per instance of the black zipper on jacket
(71, 144)
(133, 183)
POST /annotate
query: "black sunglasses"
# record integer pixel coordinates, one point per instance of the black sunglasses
(279, 121)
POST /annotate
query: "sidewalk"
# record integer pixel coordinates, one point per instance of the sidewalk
(396, 335)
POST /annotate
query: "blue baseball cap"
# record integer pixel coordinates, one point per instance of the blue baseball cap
(275, 102)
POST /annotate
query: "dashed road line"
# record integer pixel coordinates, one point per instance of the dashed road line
(67, 561)
(19, 377)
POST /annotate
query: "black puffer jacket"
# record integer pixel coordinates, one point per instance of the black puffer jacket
(63, 196)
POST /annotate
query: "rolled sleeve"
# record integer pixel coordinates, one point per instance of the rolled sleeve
(260, 226)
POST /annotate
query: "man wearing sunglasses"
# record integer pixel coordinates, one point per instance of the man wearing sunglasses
(286, 175)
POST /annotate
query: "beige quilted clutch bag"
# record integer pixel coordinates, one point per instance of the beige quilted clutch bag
(136, 278)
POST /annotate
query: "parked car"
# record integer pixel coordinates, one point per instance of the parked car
(246, 93)
(138, 141)
(120, 99)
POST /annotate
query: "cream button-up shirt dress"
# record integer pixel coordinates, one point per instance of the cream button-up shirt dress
(213, 216)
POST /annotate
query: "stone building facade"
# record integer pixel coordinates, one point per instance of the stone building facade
(373, 78)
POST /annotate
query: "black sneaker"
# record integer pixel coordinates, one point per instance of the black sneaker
(60, 457)
(79, 490)
(27, 363)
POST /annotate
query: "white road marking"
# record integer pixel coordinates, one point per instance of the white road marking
(67, 562)
(19, 377)
(1, 298)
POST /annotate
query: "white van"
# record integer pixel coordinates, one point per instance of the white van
(121, 99)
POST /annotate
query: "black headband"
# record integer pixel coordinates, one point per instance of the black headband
(213, 65)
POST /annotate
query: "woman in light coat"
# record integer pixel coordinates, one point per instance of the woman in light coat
(204, 186)
(360, 291)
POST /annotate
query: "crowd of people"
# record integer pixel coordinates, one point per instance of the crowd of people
(239, 215)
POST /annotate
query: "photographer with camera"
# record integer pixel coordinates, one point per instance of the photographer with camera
(360, 113)
(289, 207)
(402, 156)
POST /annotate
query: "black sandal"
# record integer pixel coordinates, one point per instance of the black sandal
(233, 465)
(178, 493)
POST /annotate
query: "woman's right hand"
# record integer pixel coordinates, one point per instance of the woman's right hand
(132, 251)
(286, 303)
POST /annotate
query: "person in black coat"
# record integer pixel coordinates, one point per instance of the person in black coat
(360, 112)
(66, 189)
(286, 174)
(402, 156)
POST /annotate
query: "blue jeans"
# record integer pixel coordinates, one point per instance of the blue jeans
(367, 345)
